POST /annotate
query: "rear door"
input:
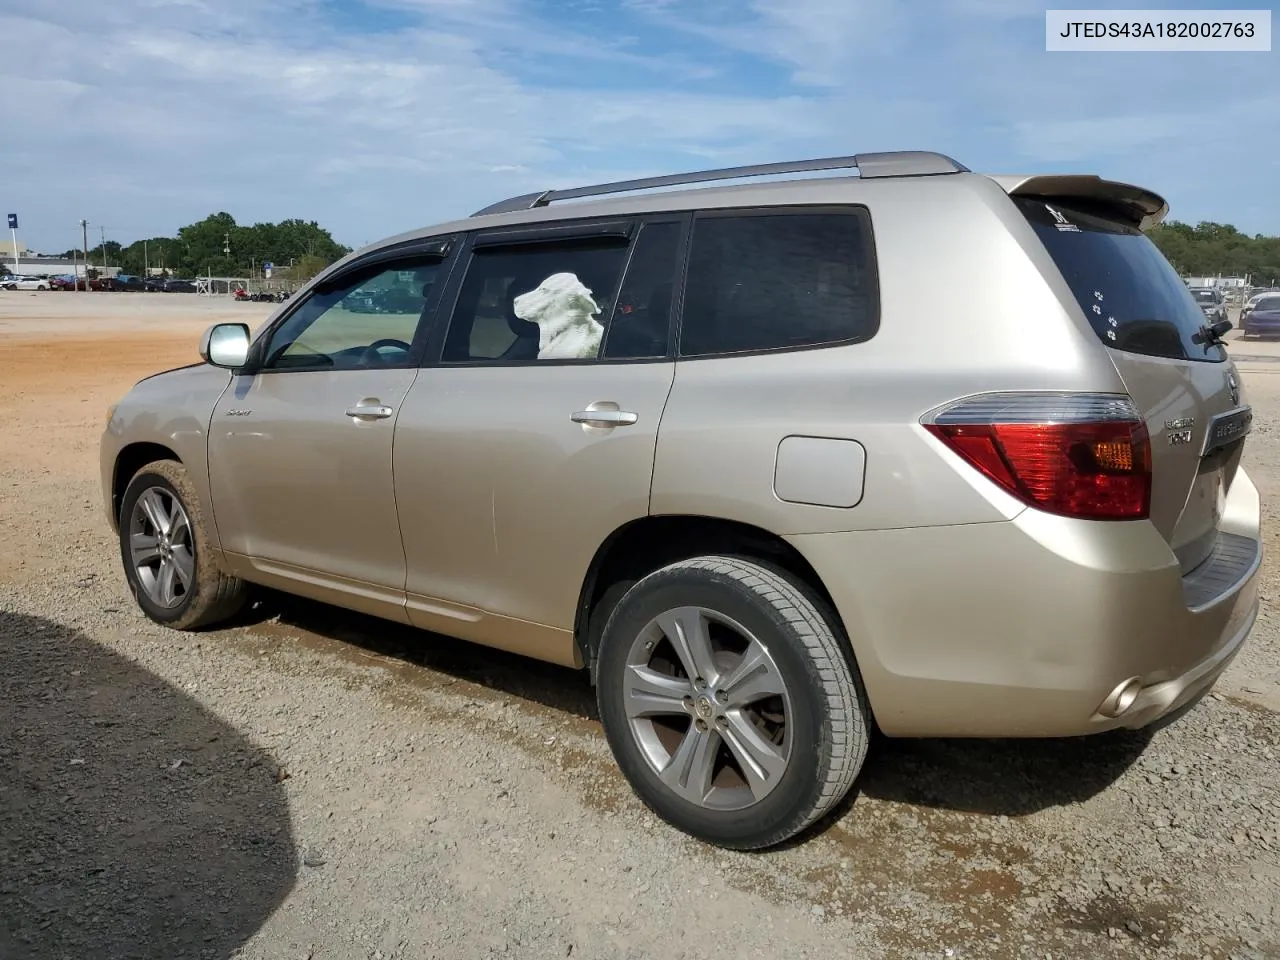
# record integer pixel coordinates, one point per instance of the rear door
(1155, 332)
(531, 437)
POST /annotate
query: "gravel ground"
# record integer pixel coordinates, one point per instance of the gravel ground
(312, 783)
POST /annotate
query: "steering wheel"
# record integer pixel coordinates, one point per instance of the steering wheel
(390, 342)
(372, 356)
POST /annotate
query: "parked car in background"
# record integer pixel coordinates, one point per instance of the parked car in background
(713, 447)
(102, 283)
(126, 281)
(24, 283)
(1257, 294)
(154, 284)
(1212, 303)
(65, 281)
(175, 285)
(1261, 316)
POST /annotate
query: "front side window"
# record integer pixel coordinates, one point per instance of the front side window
(361, 321)
(537, 301)
(777, 281)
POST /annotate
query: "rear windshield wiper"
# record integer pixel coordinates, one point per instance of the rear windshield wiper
(1213, 334)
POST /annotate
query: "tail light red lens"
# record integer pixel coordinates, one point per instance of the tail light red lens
(1076, 455)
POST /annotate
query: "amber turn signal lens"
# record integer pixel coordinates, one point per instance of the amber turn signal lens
(1114, 455)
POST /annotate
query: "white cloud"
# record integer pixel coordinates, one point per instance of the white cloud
(235, 119)
(147, 114)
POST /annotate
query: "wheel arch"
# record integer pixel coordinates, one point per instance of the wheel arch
(132, 458)
(648, 543)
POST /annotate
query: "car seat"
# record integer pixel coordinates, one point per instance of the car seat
(525, 346)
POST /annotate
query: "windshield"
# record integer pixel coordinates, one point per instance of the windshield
(1267, 303)
(1134, 299)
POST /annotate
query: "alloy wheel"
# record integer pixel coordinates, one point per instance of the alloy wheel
(161, 548)
(708, 708)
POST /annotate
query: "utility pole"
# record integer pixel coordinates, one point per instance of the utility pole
(84, 236)
(146, 261)
(104, 249)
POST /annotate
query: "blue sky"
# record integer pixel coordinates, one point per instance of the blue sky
(376, 116)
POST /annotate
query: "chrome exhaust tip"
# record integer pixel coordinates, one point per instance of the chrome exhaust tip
(1120, 699)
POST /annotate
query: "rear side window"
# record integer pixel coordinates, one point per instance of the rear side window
(779, 280)
(1134, 299)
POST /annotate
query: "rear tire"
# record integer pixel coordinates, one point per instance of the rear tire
(167, 556)
(731, 701)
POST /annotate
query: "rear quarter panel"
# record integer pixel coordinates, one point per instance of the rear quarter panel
(970, 302)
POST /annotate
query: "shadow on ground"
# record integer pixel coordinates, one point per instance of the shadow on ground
(991, 777)
(108, 846)
(540, 683)
(998, 777)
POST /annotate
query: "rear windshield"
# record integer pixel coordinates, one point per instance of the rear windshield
(1206, 296)
(1268, 303)
(1134, 299)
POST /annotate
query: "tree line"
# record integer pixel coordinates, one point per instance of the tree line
(1212, 249)
(217, 245)
(299, 249)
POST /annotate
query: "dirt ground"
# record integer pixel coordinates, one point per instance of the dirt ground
(314, 784)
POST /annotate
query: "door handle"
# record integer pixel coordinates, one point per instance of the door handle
(605, 418)
(369, 410)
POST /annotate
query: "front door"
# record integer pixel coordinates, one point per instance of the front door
(300, 450)
(532, 440)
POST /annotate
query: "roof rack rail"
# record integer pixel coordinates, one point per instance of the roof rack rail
(900, 163)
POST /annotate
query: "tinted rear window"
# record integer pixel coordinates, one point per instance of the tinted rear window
(779, 280)
(1134, 299)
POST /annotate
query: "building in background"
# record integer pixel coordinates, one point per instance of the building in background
(1222, 283)
(6, 251)
(34, 265)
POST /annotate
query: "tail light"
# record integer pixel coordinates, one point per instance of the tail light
(1084, 455)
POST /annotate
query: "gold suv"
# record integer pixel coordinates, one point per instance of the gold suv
(947, 453)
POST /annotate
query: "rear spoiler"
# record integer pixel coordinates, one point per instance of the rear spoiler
(1135, 205)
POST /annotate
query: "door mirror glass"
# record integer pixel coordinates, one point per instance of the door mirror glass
(225, 345)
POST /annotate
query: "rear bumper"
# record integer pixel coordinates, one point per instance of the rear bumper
(1025, 628)
(1160, 700)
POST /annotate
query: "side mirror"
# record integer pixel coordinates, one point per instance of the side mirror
(225, 345)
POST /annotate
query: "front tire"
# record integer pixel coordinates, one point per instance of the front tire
(168, 559)
(731, 701)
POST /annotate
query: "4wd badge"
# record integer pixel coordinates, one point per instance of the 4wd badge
(1179, 430)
